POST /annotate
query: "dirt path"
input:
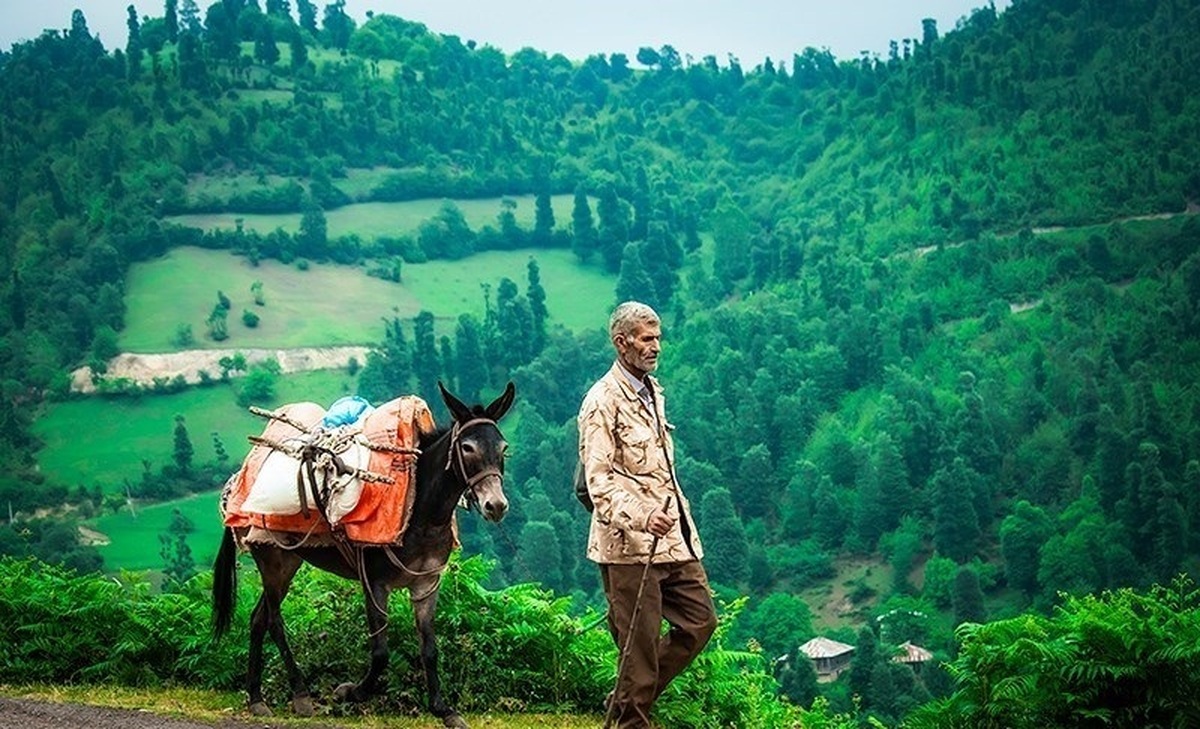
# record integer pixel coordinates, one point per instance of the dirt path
(145, 368)
(28, 714)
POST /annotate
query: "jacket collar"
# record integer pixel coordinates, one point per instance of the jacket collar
(617, 372)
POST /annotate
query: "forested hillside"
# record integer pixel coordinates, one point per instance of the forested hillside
(935, 312)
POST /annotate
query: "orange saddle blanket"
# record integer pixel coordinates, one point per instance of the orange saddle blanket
(382, 511)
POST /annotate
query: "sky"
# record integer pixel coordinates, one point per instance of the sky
(749, 29)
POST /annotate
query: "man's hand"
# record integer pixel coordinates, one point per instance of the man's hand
(659, 524)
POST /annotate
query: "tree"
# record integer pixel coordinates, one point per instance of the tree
(967, 597)
(956, 529)
(727, 551)
(178, 564)
(648, 57)
(298, 50)
(780, 622)
(338, 25)
(512, 339)
(633, 283)
(220, 31)
(470, 367)
(731, 230)
(758, 487)
(537, 306)
(171, 19)
(426, 365)
(798, 679)
(183, 446)
(133, 47)
(307, 12)
(265, 49)
(613, 227)
(539, 549)
(389, 366)
(543, 221)
(217, 322)
(583, 229)
(189, 18)
(313, 239)
(1022, 535)
(862, 665)
(939, 580)
(258, 386)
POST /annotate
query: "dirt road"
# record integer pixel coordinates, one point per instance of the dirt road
(26, 714)
(145, 368)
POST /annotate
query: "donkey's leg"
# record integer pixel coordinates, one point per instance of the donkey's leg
(424, 610)
(258, 629)
(376, 594)
(277, 568)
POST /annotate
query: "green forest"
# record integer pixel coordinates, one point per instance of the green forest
(931, 338)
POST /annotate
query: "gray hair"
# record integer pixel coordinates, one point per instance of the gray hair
(628, 315)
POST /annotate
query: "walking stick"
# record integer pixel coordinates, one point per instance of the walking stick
(637, 607)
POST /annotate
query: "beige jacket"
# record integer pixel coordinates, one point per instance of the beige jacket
(629, 466)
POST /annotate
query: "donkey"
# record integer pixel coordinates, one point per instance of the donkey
(463, 460)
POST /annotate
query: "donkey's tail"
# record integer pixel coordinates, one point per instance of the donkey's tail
(224, 589)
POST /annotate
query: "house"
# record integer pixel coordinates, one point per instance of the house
(913, 655)
(829, 657)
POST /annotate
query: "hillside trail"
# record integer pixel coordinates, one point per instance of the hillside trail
(144, 369)
(31, 714)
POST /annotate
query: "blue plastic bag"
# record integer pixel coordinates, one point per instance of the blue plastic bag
(346, 411)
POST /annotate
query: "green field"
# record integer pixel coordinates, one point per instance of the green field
(371, 219)
(97, 441)
(332, 304)
(134, 534)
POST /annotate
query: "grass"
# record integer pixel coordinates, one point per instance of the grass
(97, 441)
(830, 600)
(215, 707)
(370, 219)
(332, 304)
(134, 534)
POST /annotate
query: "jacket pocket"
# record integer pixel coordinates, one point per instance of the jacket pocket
(634, 544)
(638, 448)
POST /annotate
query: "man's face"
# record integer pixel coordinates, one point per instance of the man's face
(639, 349)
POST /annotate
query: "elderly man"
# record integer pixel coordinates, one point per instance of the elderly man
(642, 533)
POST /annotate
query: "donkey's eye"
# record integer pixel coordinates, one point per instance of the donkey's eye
(469, 448)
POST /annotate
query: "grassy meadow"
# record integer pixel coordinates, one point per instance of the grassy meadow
(333, 304)
(369, 219)
(122, 432)
(134, 534)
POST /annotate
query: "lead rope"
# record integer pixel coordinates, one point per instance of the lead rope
(637, 608)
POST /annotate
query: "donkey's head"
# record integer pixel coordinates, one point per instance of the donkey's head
(477, 451)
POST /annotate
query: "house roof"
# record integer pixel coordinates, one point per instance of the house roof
(912, 654)
(820, 647)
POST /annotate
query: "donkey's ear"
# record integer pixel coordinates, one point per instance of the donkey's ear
(458, 411)
(500, 405)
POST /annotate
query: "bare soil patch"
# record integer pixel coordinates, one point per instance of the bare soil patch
(144, 369)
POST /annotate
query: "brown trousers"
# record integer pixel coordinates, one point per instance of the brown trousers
(675, 591)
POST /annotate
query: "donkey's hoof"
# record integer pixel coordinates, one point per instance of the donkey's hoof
(346, 692)
(260, 708)
(303, 706)
(454, 721)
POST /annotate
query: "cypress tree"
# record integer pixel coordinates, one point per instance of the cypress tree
(727, 552)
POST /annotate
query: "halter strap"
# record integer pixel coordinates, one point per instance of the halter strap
(454, 460)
